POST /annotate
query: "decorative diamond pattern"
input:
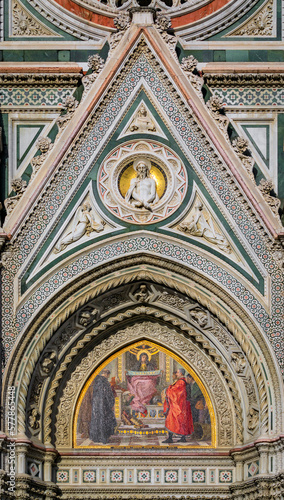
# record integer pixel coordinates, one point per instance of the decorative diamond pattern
(62, 476)
(116, 476)
(250, 96)
(144, 476)
(198, 476)
(89, 476)
(31, 96)
(253, 468)
(225, 476)
(171, 476)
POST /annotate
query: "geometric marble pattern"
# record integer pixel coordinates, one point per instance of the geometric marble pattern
(250, 96)
(198, 476)
(253, 468)
(32, 96)
(225, 476)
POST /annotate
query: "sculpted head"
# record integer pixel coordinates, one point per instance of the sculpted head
(87, 207)
(142, 110)
(142, 169)
(199, 205)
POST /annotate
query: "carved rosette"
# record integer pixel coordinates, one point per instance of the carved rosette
(26, 25)
(166, 167)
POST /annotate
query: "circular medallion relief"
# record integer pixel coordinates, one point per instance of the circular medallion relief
(142, 182)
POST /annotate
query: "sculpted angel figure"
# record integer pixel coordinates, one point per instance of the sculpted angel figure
(142, 123)
(203, 227)
(83, 223)
(143, 190)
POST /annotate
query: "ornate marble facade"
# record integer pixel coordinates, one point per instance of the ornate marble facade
(141, 241)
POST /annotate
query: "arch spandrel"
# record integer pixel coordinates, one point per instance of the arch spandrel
(152, 411)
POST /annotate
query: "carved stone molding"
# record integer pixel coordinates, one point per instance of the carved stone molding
(136, 313)
(40, 79)
(147, 294)
(165, 336)
(245, 79)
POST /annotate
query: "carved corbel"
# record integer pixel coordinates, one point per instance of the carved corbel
(44, 145)
(18, 186)
(96, 64)
(163, 24)
(122, 23)
(189, 64)
(216, 109)
(240, 146)
(68, 110)
(266, 187)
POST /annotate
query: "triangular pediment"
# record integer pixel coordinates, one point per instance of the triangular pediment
(184, 145)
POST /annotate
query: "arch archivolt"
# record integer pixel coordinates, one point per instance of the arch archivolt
(224, 408)
(186, 282)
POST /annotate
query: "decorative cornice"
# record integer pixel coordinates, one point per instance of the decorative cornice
(38, 79)
(243, 79)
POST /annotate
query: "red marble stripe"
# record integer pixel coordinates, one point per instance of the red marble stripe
(198, 14)
(86, 14)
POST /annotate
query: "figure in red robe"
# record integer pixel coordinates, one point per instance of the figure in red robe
(177, 408)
